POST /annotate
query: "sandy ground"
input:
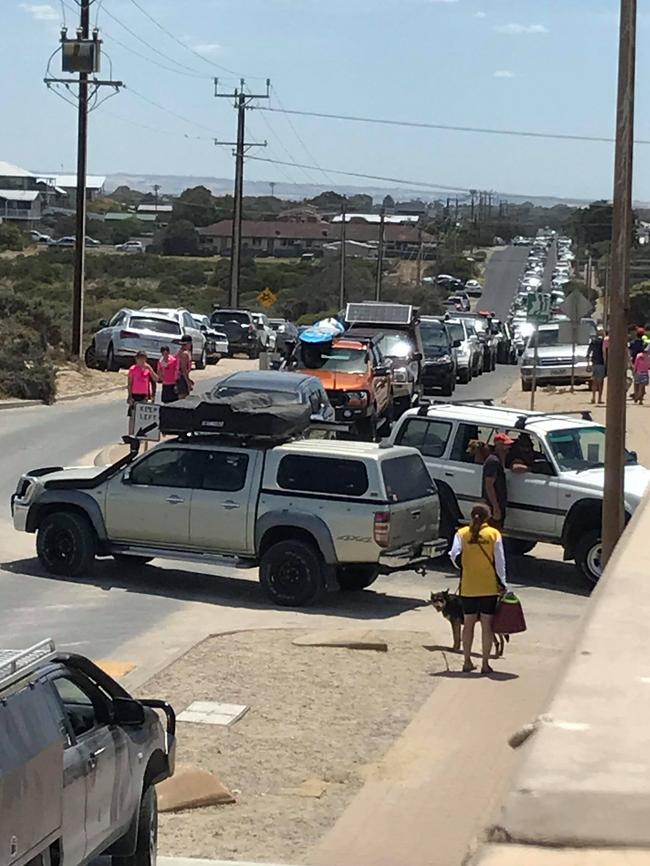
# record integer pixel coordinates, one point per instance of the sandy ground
(313, 715)
(560, 399)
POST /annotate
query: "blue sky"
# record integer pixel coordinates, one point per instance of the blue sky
(517, 64)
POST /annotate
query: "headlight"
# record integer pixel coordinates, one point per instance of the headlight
(400, 375)
(443, 359)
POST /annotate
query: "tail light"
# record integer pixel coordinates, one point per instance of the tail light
(125, 335)
(382, 528)
(251, 329)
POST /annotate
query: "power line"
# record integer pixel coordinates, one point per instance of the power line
(168, 110)
(560, 136)
(299, 137)
(280, 143)
(180, 42)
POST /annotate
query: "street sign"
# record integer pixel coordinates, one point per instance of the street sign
(147, 422)
(538, 305)
(576, 306)
(267, 298)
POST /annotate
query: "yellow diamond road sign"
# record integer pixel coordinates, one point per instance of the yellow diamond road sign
(267, 298)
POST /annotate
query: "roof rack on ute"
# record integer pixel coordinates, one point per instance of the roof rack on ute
(15, 664)
(520, 424)
(425, 405)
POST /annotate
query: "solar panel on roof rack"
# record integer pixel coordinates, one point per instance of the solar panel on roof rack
(379, 314)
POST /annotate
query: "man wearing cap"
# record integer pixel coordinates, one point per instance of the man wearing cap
(495, 491)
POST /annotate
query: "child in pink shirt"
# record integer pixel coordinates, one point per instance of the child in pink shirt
(641, 368)
(140, 385)
(167, 370)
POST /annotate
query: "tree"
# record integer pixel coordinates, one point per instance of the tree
(328, 201)
(388, 203)
(592, 225)
(11, 237)
(195, 205)
(124, 230)
(360, 203)
(180, 239)
(127, 196)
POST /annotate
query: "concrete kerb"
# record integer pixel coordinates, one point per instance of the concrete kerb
(585, 782)
(28, 404)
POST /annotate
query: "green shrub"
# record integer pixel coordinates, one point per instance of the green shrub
(11, 237)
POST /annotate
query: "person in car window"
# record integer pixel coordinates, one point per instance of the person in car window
(521, 456)
(483, 579)
(494, 487)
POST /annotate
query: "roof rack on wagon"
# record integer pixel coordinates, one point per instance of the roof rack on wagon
(15, 664)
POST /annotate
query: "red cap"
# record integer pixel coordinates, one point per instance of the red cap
(640, 332)
(503, 437)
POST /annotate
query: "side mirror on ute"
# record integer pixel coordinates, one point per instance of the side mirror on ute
(128, 712)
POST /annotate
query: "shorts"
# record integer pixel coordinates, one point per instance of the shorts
(479, 604)
(169, 393)
(182, 389)
(598, 371)
(641, 378)
(137, 398)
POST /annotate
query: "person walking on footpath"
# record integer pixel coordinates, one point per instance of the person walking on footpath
(641, 370)
(184, 383)
(597, 358)
(141, 386)
(494, 486)
(479, 547)
(167, 372)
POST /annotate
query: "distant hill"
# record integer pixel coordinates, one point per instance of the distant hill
(173, 184)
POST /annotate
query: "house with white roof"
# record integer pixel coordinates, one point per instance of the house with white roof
(66, 186)
(22, 195)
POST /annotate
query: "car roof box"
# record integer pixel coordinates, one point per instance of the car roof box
(247, 415)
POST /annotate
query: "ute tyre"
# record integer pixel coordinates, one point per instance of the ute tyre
(125, 559)
(448, 388)
(147, 839)
(464, 377)
(588, 556)
(203, 360)
(291, 574)
(254, 354)
(353, 578)
(111, 363)
(66, 544)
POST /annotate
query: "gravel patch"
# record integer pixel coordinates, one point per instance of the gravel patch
(325, 714)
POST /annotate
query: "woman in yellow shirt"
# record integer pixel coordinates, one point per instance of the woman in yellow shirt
(482, 580)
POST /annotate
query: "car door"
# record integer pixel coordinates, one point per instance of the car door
(461, 471)
(533, 496)
(150, 502)
(104, 335)
(97, 752)
(381, 384)
(220, 514)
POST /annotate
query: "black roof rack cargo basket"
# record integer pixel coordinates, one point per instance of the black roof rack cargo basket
(247, 415)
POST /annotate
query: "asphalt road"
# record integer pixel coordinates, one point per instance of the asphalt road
(116, 610)
(501, 277)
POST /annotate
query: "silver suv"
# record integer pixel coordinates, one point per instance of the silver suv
(129, 331)
(189, 328)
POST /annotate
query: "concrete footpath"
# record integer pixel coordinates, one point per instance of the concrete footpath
(434, 792)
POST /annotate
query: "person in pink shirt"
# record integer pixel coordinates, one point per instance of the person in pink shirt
(641, 368)
(167, 372)
(141, 384)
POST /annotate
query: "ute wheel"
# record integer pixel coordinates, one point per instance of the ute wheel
(147, 839)
(356, 577)
(254, 354)
(126, 559)
(66, 544)
(519, 546)
(111, 363)
(448, 527)
(291, 573)
(448, 388)
(203, 360)
(464, 377)
(588, 556)
(526, 386)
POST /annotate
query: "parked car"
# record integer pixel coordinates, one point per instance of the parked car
(115, 343)
(282, 387)
(241, 330)
(130, 247)
(189, 329)
(473, 288)
(79, 760)
(558, 500)
(39, 238)
(71, 241)
(397, 334)
(439, 369)
(556, 355)
(488, 340)
(286, 334)
(357, 379)
(216, 342)
(466, 348)
(315, 515)
(265, 332)
(459, 302)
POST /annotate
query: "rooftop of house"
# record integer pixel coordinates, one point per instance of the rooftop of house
(323, 231)
(7, 169)
(69, 181)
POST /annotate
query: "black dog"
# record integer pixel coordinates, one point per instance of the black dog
(451, 607)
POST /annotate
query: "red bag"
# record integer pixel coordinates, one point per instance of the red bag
(509, 617)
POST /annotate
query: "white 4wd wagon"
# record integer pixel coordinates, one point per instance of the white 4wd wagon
(558, 500)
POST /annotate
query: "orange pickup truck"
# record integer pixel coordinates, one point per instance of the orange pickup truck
(357, 380)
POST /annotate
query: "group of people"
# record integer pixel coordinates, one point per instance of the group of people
(172, 372)
(478, 549)
(639, 370)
